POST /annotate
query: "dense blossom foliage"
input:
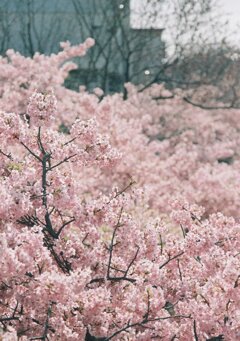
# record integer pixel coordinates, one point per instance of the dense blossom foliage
(119, 218)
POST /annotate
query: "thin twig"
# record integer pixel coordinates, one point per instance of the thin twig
(170, 259)
(61, 162)
(208, 107)
(9, 156)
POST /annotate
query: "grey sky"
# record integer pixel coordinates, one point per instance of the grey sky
(232, 9)
(227, 9)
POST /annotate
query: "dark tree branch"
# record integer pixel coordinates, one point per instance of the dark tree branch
(63, 225)
(9, 156)
(111, 247)
(131, 183)
(184, 232)
(46, 167)
(162, 97)
(109, 277)
(47, 327)
(14, 317)
(208, 107)
(61, 162)
(170, 259)
(31, 152)
(28, 220)
(142, 324)
(195, 331)
(63, 263)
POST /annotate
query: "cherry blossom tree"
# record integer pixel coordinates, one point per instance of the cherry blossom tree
(115, 214)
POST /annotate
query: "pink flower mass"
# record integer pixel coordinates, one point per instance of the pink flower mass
(124, 225)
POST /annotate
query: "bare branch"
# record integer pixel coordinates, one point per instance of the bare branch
(170, 259)
(206, 107)
(131, 183)
(47, 327)
(61, 261)
(9, 156)
(28, 220)
(65, 224)
(195, 331)
(32, 153)
(14, 317)
(66, 159)
(109, 277)
(145, 321)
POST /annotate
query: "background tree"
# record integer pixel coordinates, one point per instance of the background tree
(34, 26)
(145, 42)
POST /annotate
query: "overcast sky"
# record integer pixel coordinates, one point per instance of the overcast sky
(229, 9)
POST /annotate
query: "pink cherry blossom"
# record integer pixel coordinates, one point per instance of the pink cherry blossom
(119, 219)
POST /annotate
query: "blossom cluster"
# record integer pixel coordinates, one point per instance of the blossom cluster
(118, 218)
